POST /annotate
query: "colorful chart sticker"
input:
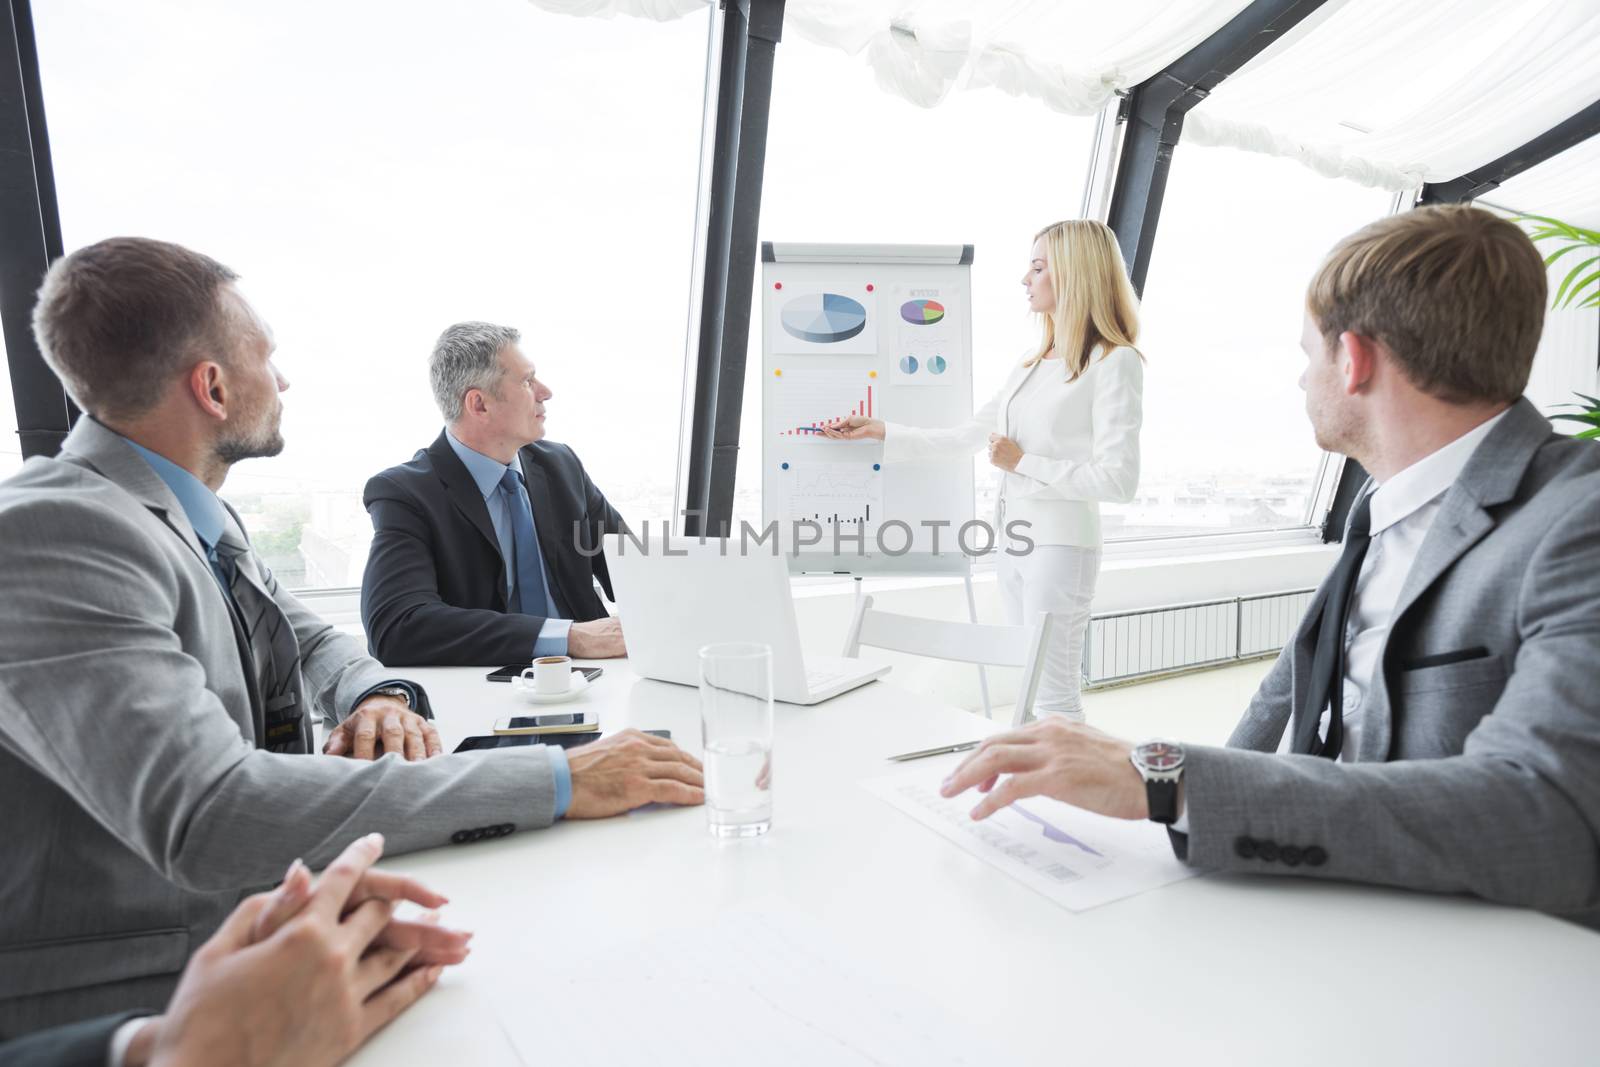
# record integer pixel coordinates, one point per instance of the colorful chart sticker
(922, 312)
(908, 364)
(823, 318)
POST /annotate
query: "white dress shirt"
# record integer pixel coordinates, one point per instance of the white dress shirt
(1403, 509)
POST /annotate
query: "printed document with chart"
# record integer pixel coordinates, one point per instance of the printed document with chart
(1078, 859)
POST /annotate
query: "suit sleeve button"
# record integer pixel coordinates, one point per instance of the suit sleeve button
(1291, 855)
(461, 837)
(1316, 856)
(1244, 847)
(1268, 850)
(508, 827)
(479, 834)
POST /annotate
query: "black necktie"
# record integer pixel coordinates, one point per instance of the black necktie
(1326, 689)
(273, 647)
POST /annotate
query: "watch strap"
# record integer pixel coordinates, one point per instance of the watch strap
(397, 691)
(1162, 795)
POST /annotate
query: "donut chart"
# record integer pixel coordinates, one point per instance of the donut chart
(823, 318)
(922, 312)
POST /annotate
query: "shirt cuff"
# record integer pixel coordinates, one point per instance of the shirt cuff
(552, 639)
(563, 776)
(122, 1037)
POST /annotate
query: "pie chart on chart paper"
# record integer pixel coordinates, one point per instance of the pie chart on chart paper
(823, 318)
(922, 312)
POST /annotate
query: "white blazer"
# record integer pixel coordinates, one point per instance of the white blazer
(1079, 439)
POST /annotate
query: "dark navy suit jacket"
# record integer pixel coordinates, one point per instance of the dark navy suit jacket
(434, 593)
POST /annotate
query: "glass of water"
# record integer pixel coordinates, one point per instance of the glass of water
(736, 726)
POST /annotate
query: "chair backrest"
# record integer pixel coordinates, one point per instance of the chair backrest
(964, 642)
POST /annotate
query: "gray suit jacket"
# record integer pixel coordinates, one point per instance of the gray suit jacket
(1476, 773)
(138, 809)
(84, 1044)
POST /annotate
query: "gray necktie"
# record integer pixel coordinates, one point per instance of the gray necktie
(273, 647)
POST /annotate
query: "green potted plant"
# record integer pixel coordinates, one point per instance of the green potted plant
(1577, 287)
(1588, 413)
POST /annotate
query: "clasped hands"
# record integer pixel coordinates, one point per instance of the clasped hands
(304, 974)
(1068, 761)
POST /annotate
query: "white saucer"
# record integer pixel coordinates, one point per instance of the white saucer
(580, 685)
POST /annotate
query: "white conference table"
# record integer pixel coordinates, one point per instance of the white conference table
(1217, 969)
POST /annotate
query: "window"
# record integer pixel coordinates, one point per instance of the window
(376, 172)
(1226, 444)
(848, 162)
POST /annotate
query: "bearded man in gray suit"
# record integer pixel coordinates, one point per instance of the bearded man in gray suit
(157, 685)
(1435, 723)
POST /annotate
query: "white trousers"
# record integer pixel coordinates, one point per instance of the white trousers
(1059, 579)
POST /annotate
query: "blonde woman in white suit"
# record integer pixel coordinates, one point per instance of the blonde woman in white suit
(1065, 430)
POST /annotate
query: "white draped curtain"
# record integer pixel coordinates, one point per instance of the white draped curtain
(1386, 93)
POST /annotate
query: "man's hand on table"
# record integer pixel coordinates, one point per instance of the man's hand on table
(597, 639)
(382, 724)
(1055, 758)
(629, 770)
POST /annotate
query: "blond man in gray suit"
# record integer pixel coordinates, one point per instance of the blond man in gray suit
(157, 684)
(1435, 722)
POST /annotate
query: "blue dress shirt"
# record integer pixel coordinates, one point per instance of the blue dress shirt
(208, 518)
(487, 474)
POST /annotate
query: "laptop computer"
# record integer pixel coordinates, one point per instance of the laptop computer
(672, 606)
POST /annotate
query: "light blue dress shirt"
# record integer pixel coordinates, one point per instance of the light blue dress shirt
(208, 517)
(487, 474)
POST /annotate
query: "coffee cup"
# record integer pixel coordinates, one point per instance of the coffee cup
(549, 675)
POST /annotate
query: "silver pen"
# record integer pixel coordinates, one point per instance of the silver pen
(942, 750)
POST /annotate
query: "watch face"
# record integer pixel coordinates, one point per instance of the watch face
(1160, 755)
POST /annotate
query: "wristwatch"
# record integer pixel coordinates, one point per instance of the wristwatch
(1160, 764)
(399, 692)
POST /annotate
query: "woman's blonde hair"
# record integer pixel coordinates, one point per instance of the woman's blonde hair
(1095, 304)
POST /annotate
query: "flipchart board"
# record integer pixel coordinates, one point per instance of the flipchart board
(879, 330)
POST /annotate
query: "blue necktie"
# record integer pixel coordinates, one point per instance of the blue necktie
(529, 593)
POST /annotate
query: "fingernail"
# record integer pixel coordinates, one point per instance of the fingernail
(375, 839)
(434, 972)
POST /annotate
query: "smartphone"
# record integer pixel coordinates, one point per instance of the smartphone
(568, 722)
(505, 674)
(485, 742)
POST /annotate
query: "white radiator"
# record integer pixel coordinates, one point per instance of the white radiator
(1126, 645)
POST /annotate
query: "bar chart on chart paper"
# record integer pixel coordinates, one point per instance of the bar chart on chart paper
(834, 494)
(809, 399)
(1076, 858)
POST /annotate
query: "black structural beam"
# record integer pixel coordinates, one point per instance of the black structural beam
(1154, 111)
(30, 235)
(751, 30)
(1473, 184)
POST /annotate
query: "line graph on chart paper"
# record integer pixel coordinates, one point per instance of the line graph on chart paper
(808, 400)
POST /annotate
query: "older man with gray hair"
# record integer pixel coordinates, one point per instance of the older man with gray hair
(484, 545)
